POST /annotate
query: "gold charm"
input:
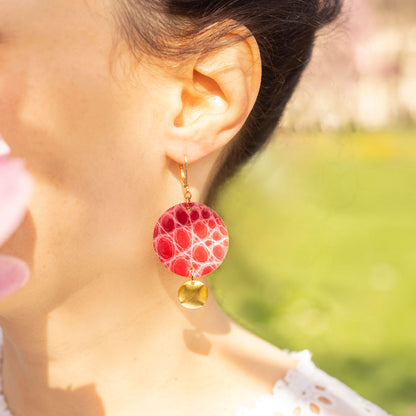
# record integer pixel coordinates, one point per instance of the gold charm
(193, 294)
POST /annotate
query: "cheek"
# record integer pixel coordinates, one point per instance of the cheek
(26, 111)
(52, 109)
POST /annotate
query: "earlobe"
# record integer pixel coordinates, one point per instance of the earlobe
(217, 94)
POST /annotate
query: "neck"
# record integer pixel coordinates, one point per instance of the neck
(99, 350)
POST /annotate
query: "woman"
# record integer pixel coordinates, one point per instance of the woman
(103, 99)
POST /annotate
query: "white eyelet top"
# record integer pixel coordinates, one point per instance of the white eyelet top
(305, 391)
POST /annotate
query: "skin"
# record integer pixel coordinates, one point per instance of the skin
(98, 329)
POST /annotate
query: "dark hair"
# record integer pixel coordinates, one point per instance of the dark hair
(285, 31)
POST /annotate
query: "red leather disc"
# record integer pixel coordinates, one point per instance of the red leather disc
(196, 237)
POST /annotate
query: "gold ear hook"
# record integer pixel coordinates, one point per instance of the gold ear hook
(184, 176)
(184, 172)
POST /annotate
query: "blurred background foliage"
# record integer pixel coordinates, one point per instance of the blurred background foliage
(323, 222)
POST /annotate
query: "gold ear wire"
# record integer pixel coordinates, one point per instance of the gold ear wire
(184, 171)
(184, 176)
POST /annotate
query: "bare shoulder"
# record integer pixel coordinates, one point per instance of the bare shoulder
(251, 366)
(308, 390)
(262, 371)
(258, 357)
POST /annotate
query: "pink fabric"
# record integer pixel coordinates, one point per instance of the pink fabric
(15, 190)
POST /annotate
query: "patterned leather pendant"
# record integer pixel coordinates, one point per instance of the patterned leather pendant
(190, 239)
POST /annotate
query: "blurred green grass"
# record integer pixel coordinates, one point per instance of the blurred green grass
(322, 256)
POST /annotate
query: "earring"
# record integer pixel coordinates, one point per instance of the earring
(191, 240)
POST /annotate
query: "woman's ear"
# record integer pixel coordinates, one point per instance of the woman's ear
(218, 91)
